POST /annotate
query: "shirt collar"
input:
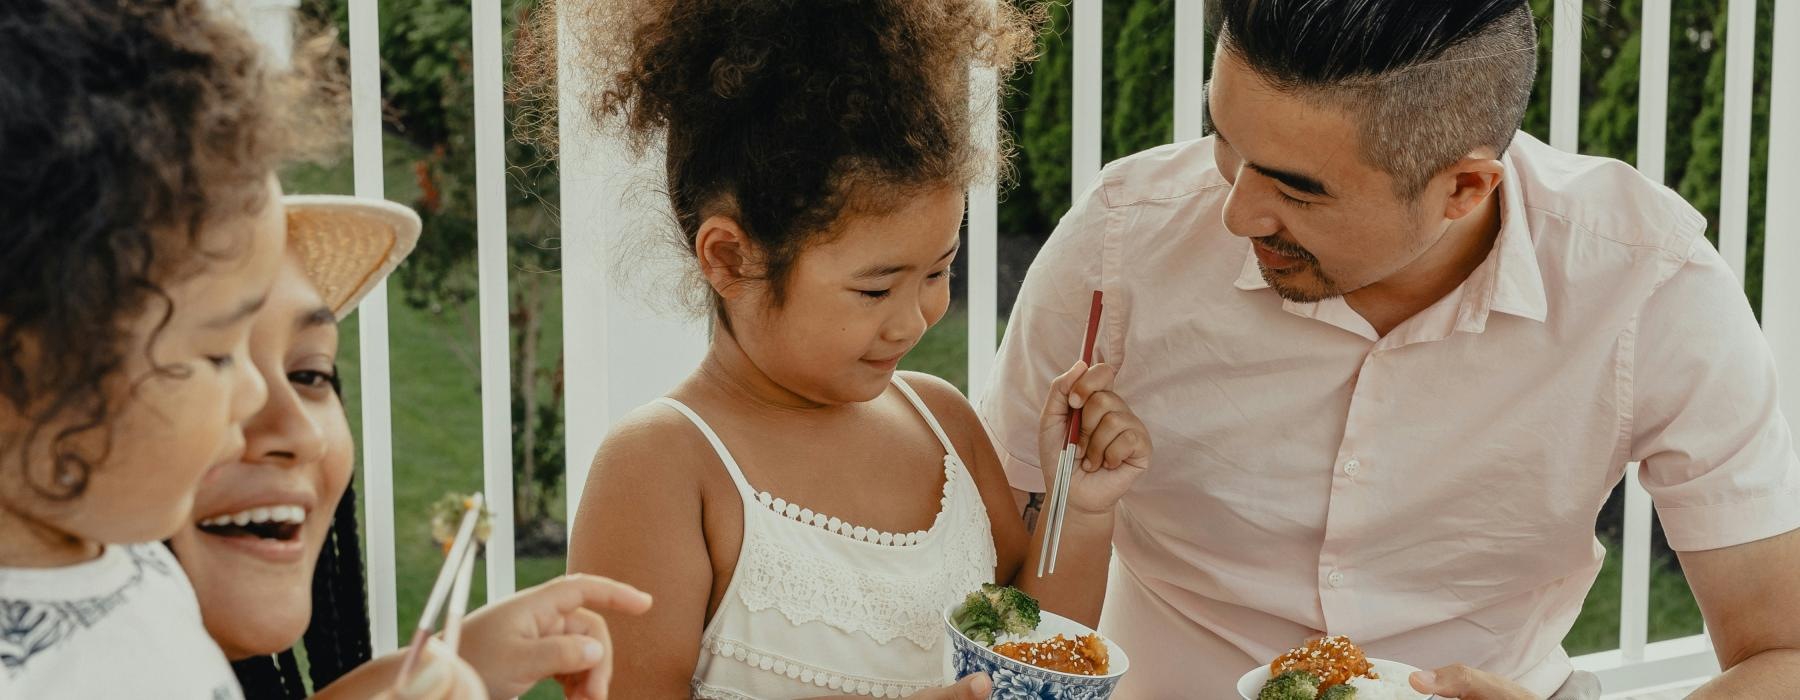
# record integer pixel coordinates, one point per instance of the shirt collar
(1519, 284)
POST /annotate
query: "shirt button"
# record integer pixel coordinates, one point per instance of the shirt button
(1352, 468)
(1336, 579)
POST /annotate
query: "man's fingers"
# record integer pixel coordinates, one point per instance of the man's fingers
(1459, 681)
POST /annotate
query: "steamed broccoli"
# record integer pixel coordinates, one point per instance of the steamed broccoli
(996, 610)
(1290, 685)
(977, 619)
(1019, 613)
(1339, 692)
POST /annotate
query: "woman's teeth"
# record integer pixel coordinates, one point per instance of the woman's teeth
(289, 515)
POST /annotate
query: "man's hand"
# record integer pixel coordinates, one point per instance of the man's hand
(1459, 681)
(1113, 449)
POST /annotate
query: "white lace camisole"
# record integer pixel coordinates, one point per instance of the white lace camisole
(819, 606)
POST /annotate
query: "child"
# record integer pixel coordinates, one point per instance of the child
(139, 230)
(802, 513)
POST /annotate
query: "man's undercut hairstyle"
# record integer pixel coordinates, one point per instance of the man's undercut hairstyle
(1426, 81)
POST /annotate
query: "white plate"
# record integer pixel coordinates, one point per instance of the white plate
(1251, 683)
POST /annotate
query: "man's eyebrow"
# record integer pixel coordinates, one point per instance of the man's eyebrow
(1303, 183)
(874, 271)
(244, 310)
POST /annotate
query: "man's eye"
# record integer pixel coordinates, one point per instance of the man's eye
(1294, 200)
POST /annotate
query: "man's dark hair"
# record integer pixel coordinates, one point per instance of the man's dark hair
(1428, 81)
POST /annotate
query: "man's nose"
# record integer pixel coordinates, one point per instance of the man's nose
(1245, 217)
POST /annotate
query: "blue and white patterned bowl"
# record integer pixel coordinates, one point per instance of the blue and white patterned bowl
(1017, 680)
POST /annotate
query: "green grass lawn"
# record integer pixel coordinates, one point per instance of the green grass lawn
(437, 449)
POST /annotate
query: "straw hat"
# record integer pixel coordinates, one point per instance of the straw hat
(347, 245)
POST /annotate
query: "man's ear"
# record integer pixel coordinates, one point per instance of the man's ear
(1472, 180)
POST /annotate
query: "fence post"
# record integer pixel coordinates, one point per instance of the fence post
(984, 245)
(1781, 242)
(1734, 187)
(1086, 111)
(493, 297)
(1190, 69)
(372, 317)
(1565, 76)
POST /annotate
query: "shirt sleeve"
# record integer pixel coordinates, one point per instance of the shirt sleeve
(1044, 334)
(1716, 453)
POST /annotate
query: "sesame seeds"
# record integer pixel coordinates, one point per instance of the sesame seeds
(1335, 660)
(1085, 655)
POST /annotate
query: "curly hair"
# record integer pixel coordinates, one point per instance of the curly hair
(126, 126)
(787, 114)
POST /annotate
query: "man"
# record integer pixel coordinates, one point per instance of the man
(1395, 356)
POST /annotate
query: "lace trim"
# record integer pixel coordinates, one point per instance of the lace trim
(805, 588)
(808, 673)
(807, 516)
(703, 691)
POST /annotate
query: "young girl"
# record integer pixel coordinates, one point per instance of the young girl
(803, 513)
(272, 543)
(138, 234)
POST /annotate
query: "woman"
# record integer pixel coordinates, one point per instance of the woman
(272, 547)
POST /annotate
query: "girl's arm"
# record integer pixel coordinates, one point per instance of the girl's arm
(640, 523)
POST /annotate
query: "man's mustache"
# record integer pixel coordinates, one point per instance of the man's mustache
(1285, 248)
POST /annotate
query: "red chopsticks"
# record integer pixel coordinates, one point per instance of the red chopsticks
(1065, 464)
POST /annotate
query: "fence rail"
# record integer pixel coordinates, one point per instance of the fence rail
(605, 376)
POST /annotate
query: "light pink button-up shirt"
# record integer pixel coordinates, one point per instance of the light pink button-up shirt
(1431, 493)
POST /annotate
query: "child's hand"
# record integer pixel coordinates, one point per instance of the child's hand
(1113, 449)
(439, 675)
(974, 687)
(551, 630)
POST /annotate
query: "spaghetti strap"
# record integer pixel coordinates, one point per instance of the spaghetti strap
(930, 419)
(731, 465)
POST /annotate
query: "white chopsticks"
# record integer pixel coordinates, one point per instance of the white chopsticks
(1065, 463)
(452, 586)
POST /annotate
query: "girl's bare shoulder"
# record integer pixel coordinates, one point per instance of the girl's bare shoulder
(951, 408)
(654, 444)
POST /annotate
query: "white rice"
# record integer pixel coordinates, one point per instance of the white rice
(1387, 687)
